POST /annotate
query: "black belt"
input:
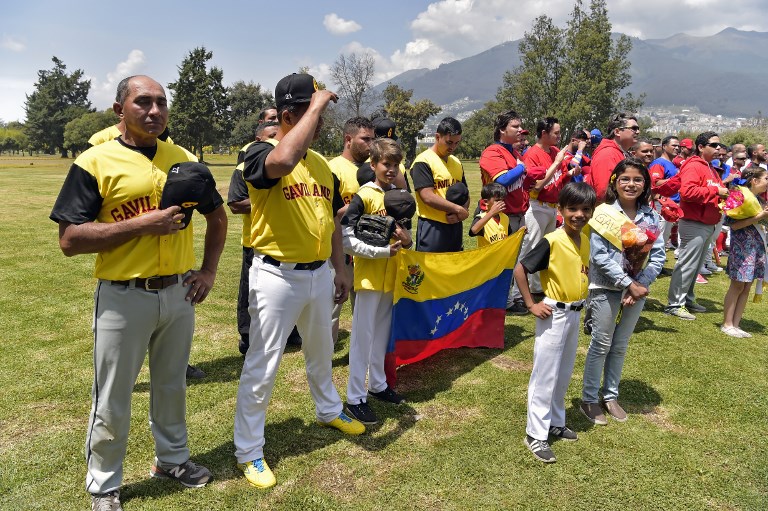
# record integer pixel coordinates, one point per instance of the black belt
(568, 306)
(150, 284)
(297, 266)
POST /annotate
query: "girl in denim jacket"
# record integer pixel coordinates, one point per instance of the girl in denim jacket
(616, 298)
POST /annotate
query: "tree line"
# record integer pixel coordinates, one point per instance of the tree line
(576, 73)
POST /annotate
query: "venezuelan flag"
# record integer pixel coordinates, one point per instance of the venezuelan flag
(450, 300)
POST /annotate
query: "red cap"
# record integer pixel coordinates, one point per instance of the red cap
(686, 142)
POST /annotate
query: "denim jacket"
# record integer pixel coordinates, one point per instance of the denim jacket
(605, 260)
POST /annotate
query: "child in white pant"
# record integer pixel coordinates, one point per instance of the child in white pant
(562, 260)
(372, 316)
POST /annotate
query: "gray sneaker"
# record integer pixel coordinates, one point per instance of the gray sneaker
(593, 413)
(695, 307)
(563, 433)
(540, 449)
(189, 473)
(109, 501)
(680, 313)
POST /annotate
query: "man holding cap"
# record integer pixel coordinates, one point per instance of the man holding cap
(294, 201)
(434, 171)
(110, 205)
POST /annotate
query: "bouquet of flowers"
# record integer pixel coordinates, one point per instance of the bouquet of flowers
(741, 203)
(637, 241)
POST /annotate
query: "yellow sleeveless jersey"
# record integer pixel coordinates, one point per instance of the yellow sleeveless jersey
(445, 173)
(293, 220)
(132, 185)
(493, 231)
(370, 274)
(566, 277)
(346, 171)
(110, 133)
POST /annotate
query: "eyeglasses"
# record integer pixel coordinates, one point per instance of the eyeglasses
(714, 145)
(623, 180)
(636, 129)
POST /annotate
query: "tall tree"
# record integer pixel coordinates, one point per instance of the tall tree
(246, 100)
(353, 74)
(78, 131)
(409, 117)
(58, 98)
(576, 73)
(199, 113)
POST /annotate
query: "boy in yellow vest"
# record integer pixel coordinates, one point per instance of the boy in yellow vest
(372, 316)
(562, 258)
(491, 224)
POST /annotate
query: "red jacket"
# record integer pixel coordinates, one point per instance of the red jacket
(497, 160)
(607, 155)
(536, 157)
(698, 191)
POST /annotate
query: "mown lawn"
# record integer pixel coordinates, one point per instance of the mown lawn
(695, 438)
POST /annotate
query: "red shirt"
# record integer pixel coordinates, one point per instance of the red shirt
(536, 157)
(495, 161)
(698, 191)
(607, 155)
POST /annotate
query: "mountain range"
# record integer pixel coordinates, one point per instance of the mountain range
(725, 73)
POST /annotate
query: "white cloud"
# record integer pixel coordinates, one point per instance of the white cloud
(14, 96)
(339, 26)
(13, 44)
(103, 92)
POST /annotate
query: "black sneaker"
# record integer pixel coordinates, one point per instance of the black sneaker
(388, 395)
(517, 309)
(362, 413)
(540, 449)
(294, 339)
(109, 501)
(563, 433)
(195, 372)
(189, 473)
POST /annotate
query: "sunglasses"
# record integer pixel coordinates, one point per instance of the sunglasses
(636, 129)
(713, 145)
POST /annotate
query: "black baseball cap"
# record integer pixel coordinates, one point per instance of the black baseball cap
(365, 173)
(458, 193)
(399, 204)
(384, 127)
(295, 88)
(190, 185)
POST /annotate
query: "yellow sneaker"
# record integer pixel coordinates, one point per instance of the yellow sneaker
(257, 473)
(345, 424)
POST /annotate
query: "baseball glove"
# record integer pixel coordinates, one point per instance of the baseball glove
(375, 230)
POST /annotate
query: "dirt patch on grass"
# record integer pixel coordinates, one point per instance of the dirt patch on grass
(27, 426)
(510, 364)
(660, 417)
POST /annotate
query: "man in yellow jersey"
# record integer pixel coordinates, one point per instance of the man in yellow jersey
(294, 231)
(144, 301)
(433, 172)
(358, 134)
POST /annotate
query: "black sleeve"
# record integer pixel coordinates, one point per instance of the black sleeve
(355, 210)
(538, 258)
(474, 221)
(463, 178)
(338, 202)
(79, 200)
(407, 183)
(211, 202)
(254, 166)
(422, 176)
(241, 155)
(237, 188)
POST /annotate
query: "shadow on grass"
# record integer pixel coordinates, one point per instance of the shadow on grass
(635, 396)
(287, 439)
(645, 324)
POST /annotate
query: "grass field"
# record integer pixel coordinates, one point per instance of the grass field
(695, 438)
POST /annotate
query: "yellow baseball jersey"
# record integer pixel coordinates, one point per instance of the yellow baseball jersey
(429, 170)
(562, 266)
(370, 274)
(346, 171)
(292, 216)
(494, 230)
(113, 182)
(112, 133)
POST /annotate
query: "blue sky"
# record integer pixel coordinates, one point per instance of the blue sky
(263, 41)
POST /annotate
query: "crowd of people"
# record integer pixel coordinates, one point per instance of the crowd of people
(600, 212)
